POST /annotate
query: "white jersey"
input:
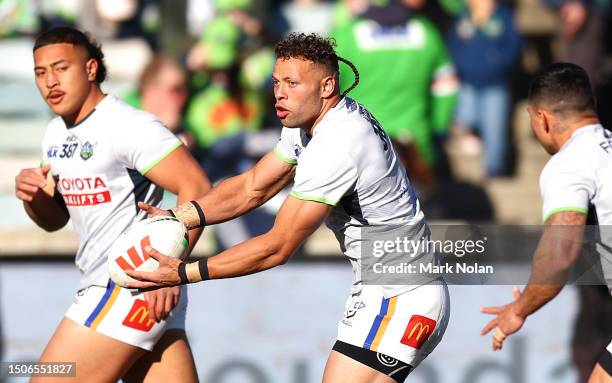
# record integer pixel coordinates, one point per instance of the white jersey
(349, 163)
(99, 166)
(579, 175)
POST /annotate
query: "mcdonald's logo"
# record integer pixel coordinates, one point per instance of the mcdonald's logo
(138, 317)
(136, 259)
(418, 331)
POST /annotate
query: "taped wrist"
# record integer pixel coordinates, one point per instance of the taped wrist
(203, 269)
(197, 271)
(190, 214)
(182, 271)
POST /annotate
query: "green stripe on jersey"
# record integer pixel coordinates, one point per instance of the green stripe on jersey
(158, 160)
(310, 198)
(577, 209)
(283, 158)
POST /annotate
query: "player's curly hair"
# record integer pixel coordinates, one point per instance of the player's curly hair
(67, 35)
(315, 48)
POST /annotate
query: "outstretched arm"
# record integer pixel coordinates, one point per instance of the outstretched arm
(237, 195)
(240, 194)
(296, 220)
(558, 249)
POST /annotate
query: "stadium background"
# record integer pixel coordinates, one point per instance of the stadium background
(277, 326)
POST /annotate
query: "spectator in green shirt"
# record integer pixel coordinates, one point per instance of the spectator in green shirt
(407, 80)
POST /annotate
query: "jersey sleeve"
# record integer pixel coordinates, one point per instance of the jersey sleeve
(326, 177)
(564, 187)
(285, 147)
(144, 142)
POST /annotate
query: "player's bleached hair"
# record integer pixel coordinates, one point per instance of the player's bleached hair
(315, 48)
(67, 35)
(564, 87)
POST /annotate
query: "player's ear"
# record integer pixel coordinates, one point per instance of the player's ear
(92, 69)
(328, 86)
(546, 118)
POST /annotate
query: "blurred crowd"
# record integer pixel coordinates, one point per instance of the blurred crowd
(428, 68)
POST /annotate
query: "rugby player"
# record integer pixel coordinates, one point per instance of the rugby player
(345, 172)
(101, 157)
(563, 117)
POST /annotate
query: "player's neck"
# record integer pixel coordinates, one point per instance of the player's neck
(92, 100)
(575, 125)
(328, 104)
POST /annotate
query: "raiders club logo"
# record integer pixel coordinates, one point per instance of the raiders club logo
(87, 150)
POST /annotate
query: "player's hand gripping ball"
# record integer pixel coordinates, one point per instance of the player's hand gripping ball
(165, 234)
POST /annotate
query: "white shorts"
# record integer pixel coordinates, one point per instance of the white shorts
(406, 327)
(122, 314)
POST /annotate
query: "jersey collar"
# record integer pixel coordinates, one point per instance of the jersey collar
(104, 101)
(579, 131)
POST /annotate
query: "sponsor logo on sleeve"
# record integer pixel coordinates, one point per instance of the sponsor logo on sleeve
(84, 190)
(297, 150)
(138, 317)
(418, 331)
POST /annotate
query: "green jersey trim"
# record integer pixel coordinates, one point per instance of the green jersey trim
(160, 158)
(577, 209)
(311, 198)
(283, 158)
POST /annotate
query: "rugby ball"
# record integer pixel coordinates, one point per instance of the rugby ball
(165, 234)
